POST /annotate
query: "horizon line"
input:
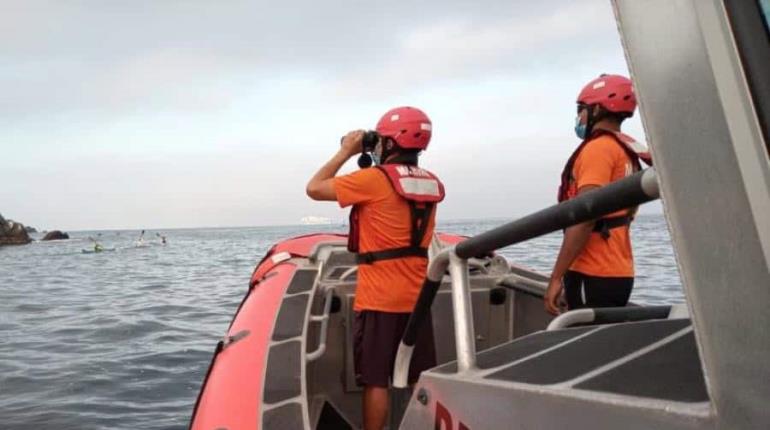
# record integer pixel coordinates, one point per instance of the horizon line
(502, 219)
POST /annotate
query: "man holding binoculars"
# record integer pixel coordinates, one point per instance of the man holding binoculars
(391, 225)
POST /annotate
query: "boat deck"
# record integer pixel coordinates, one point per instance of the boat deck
(650, 371)
(651, 367)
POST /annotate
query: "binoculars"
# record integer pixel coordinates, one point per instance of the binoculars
(368, 142)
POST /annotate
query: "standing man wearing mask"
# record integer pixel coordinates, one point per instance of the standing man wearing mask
(391, 225)
(595, 266)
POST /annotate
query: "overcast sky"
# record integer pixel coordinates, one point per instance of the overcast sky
(164, 114)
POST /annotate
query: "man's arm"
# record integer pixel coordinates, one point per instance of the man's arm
(575, 239)
(321, 185)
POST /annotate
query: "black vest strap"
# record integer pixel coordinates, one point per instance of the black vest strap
(390, 254)
(604, 225)
(420, 216)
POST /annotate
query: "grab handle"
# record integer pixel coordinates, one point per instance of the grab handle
(324, 319)
(610, 315)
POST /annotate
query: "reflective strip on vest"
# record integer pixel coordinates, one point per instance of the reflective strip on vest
(421, 186)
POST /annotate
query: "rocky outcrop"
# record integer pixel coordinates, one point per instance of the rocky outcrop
(12, 233)
(30, 229)
(55, 235)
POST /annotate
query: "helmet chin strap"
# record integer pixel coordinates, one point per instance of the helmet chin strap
(409, 158)
(592, 119)
(386, 152)
(396, 155)
(391, 153)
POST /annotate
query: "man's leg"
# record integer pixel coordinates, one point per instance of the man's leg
(375, 407)
(573, 289)
(373, 365)
(602, 292)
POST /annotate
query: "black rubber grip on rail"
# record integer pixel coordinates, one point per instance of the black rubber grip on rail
(622, 194)
(421, 310)
(630, 313)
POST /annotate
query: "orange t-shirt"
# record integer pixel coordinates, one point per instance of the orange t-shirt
(385, 223)
(600, 162)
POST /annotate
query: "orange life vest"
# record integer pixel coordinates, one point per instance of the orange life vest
(568, 188)
(422, 190)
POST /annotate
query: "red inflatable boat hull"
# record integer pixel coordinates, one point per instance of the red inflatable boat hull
(232, 391)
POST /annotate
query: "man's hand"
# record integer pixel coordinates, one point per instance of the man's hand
(575, 239)
(351, 143)
(321, 185)
(553, 300)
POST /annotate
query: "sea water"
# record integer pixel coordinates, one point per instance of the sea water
(123, 339)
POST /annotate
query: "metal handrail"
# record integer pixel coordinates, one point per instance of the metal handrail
(465, 335)
(631, 191)
(436, 269)
(571, 318)
(519, 283)
(348, 272)
(609, 315)
(324, 319)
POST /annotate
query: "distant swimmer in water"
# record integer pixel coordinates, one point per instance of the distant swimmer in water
(140, 241)
(97, 246)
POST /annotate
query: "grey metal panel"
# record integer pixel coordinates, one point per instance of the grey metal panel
(677, 370)
(487, 405)
(596, 349)
(529, 345)
(499, 322)
(714, 178)
(487, 320)
(529, 316)
(520, 348)
(443, 326)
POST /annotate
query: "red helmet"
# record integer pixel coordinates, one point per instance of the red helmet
(614, 93)
(408, 126)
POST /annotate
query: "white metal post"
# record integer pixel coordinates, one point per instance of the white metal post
(463, 313)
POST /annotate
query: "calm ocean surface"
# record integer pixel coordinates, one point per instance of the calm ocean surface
(123, 339)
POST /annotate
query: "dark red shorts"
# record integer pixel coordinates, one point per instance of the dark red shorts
(376, 336)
